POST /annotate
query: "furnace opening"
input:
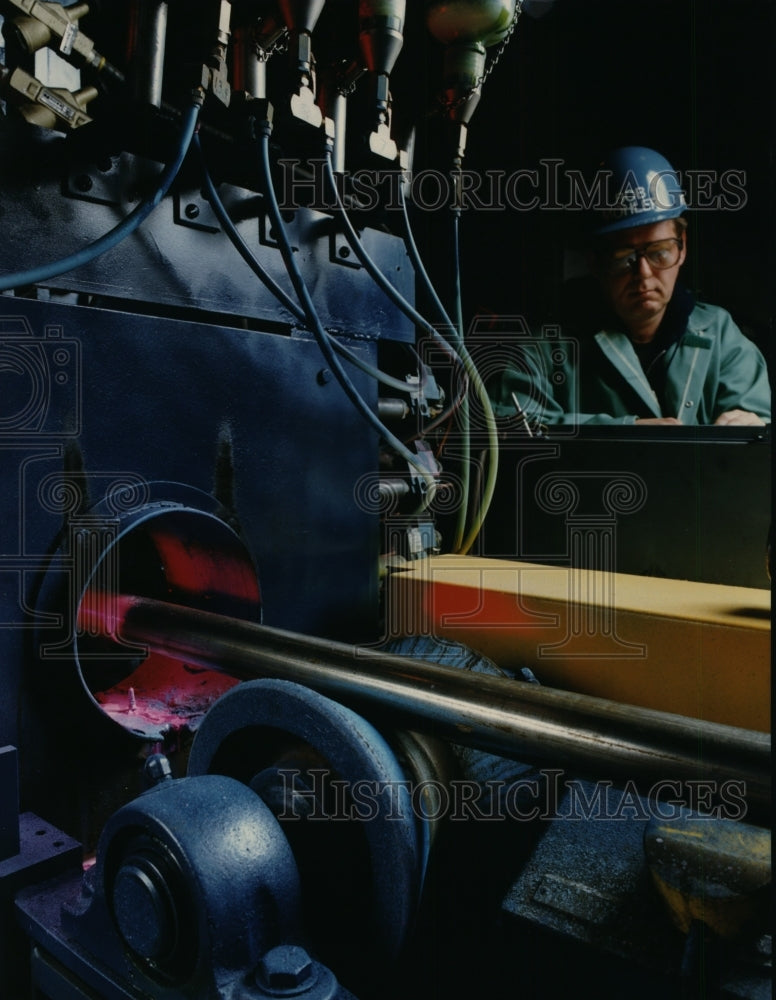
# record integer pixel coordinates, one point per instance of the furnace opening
(182, 556)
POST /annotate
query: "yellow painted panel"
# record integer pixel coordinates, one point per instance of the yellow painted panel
(695, 649)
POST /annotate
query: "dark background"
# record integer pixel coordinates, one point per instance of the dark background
(691, 78)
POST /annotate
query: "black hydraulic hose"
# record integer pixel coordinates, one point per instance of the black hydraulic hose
(269, 282)
(462, 404)
(420, 268)
(323, 339)
(126, 227)
(461, 354)
(420, 271)
(376, 274)
(239, 243)
(465, 413)
(457, 270)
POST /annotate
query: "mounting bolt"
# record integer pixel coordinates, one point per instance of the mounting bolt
(191, 211)
(286, 970)
(156, 770)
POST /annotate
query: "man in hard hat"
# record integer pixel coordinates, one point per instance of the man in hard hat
(639, 347)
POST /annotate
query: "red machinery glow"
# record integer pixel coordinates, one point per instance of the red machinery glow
(157, 694)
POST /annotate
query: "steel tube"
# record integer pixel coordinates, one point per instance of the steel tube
(527, 722)
(149, 77)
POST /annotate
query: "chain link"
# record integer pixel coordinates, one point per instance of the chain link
(279, 45)
(502, 46)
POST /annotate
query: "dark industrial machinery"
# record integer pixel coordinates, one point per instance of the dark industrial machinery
(247, 457)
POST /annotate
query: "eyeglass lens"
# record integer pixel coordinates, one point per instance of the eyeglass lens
(660, 254)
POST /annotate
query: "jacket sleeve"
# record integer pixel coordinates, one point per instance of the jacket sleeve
(530, 386)
(546, 391)
(743, 375)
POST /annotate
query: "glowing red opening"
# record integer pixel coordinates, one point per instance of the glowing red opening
(182, 556)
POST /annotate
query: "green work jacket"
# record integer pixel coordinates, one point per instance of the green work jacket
(711, 368)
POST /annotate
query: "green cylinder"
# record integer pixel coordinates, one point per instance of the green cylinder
(483, 21)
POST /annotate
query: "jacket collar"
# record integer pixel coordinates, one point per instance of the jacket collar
(617, 347)
(593, 315)
(685, 366)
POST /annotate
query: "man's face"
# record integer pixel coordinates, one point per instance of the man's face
(640, 293)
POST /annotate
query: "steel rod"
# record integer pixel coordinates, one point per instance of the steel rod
(149, 72)
(526, 722)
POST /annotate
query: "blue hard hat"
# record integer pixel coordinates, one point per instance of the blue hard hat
(641, 187)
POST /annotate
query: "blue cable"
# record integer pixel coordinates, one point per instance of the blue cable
(239, 243)
(269, 282)
(420, 269)
(457, 330)
(124, 228)
(314, 322)
(462, 355)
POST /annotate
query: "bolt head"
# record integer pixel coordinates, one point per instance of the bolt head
(287, 968)
(156, 769)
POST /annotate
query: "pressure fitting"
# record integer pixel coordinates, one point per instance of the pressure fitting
(42, 22)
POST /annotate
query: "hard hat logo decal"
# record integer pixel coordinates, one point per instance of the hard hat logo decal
(634, 198)
(642, 188)
(631, 198)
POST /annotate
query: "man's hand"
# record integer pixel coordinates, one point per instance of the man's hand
(657, 420)
(740, 418)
